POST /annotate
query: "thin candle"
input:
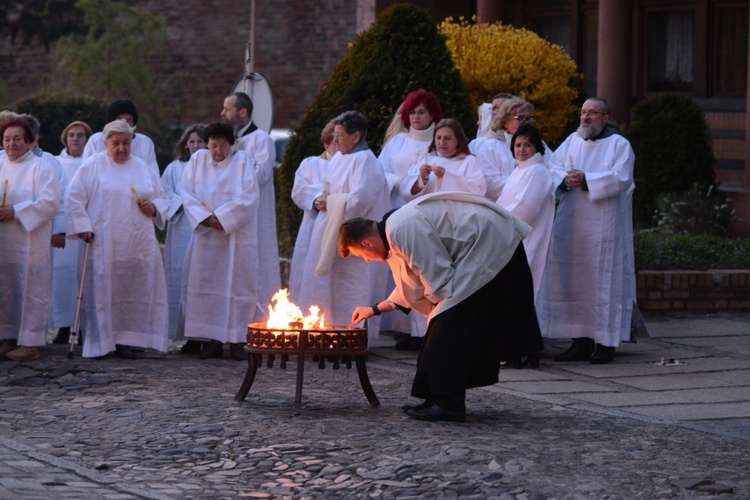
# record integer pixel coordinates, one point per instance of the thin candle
(5, 193)
(139, 200)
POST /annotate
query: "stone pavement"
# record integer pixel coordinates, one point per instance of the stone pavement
(168, 427)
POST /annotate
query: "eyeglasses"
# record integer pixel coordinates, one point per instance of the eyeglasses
(525, 119)
(586, 114)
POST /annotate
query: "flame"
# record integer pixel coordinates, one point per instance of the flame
(285, 314)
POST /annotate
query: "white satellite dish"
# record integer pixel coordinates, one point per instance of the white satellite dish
(259, 91)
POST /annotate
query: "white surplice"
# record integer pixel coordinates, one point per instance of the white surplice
(589, 282)
(260, 148)
(530, 196)
(179, 233)
(497, 163)
(33, 190)
(350, 282)
(221, 267)
(65, 265)
(142, 147)
(401, 153)
(308, 185)
(463, 175)
(125, 293)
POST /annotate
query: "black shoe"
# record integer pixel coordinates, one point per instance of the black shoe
(435, 413)
(215, 350)
(602, 355)
(580, 350)
(532, 361)
(237, 352)
(124, 352)
(63, 336)
(424, 404)
(192, 347)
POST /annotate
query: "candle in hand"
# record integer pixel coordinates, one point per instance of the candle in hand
(139, 200)
(5, 193)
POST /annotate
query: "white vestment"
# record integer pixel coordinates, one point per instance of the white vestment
(179, 233)
(530, 196)
(441, 253)
(308, 185)
(460, 175)
(350, 282)
(221, 267)
(589, 282)
(142, 147)
(125, 293)
(260, 148)
(33, 190)
(65, 268)
(401, 153)
(497, 163)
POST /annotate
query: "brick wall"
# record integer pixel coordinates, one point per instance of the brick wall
(692, 292)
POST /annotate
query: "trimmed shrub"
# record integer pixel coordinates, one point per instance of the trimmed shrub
(403, 51)
(496, 58)
(657, 251)
(669, 136)
(696, 211)
(56, 112)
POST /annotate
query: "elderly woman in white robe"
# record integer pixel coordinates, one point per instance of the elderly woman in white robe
(308, 185)
(356, 188)
(30, 198)
(449, 167)
(220, 195)
(113, 203)
(65, 265)
(179, 231)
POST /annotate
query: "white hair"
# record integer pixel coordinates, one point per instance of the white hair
(117, 127)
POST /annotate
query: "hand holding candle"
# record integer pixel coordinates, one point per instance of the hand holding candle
(138, 199)
(5, 193)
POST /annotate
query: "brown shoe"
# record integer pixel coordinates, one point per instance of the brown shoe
(23, 353)
(7, 346)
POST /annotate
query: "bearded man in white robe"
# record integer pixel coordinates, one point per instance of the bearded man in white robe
(589, 281)
(356, 188)
(456, 258)
(259, 147)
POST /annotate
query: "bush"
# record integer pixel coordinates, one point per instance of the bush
(669, 136)
(403, 51)
(56, 112)
(496, 58)
(697, 211)
(657, 251)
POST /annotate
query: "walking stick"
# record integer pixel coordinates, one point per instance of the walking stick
(74, 333)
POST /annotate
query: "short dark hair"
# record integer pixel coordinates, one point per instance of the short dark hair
(28, 134)
(219, 129)
(353, 231)
(243, 102)
(352, 121)
(534, 136)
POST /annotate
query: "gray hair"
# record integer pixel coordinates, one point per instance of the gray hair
(352, 121)
(32, 122)
(117, 127)
(601, 104)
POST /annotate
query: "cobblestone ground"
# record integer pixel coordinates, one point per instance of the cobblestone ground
(168, 427)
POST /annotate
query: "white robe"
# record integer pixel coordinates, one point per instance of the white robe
(441, 253)
(460, 175)
(350, 282)
(308, 185)
(221, 267)
(260, 148)
(142, 147)
(33, 190)
(179, 233)
(497, 163)
(530, 196)
(589, 282)
(125, 293)
(65, 269)
(397, 157)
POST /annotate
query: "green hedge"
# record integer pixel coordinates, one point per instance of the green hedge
(658, 251)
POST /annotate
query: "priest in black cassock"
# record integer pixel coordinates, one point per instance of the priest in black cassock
(457, 258)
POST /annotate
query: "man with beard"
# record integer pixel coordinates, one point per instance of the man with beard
(588, 289)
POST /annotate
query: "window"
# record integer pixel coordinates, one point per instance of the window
(669, 53)
(729, 52)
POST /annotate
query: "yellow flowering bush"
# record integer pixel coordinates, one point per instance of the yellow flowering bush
(496, 58)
